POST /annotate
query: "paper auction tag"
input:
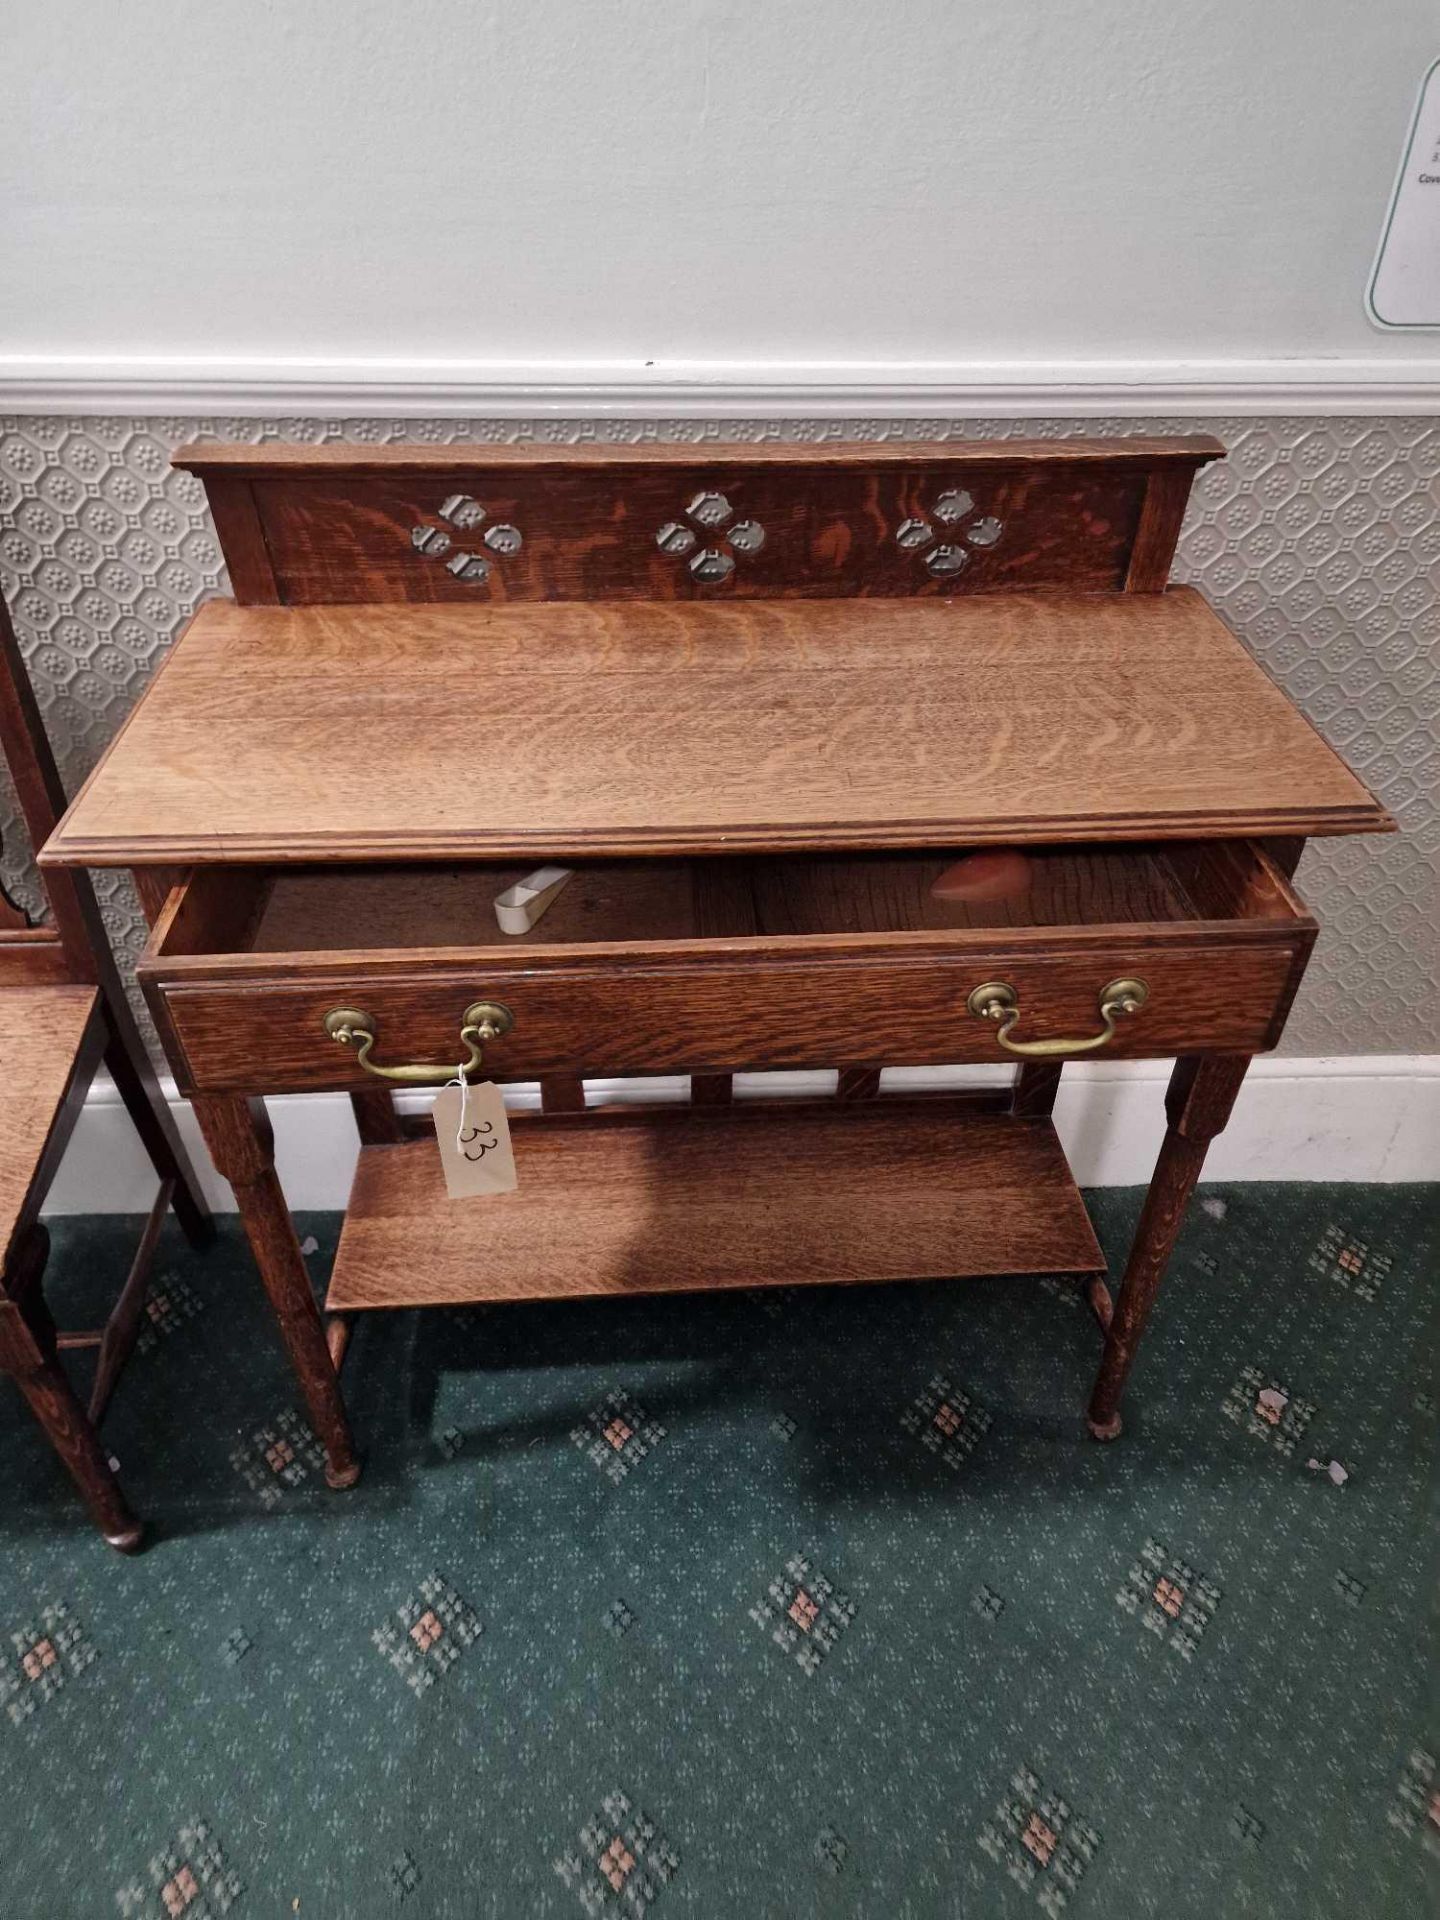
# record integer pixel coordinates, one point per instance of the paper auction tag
(474, 1136)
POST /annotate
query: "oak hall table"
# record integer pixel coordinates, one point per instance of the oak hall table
(759, 696)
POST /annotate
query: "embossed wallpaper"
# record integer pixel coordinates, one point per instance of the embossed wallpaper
(1318, 539)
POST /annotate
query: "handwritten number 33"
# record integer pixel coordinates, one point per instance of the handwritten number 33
(484, 1145)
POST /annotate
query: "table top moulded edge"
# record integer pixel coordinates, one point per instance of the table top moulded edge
(287, 457)
(88, 834)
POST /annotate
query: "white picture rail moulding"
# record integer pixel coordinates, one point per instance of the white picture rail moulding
(1384, 384)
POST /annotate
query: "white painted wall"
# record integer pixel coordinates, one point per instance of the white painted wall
(939, 184)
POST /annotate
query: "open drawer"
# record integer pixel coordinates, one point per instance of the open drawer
(661, 965)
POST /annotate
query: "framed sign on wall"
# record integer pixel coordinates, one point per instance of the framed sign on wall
(1404, 290)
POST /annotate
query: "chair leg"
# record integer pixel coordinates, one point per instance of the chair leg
(27, 1350)
(129, 1067)
(122, 1329)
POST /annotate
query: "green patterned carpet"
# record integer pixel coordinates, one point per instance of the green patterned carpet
(811, 1604)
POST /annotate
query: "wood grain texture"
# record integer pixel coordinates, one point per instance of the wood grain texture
(848, 1193)
(857, 1083)
(45, 1033)
(591, 701)
(25, 747)
(735, 1012)
(128, 1062)
(872, 893)
(1036, 1085)
(881, 991)
(82, 938)
(1198, 1103)
(28, 1354)
(337, 909)
(1167, 491)
(153, 887)
(242, 540)
(335, 525)
(593, 535)
(304, 910)
(33, 957)
(122, 1329)
(291, 456)
(289, 735)
(61, 1010)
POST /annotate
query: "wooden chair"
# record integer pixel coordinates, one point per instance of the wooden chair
(63, 1012)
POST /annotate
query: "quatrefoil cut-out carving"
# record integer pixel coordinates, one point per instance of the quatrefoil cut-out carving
(710, 512)
(942, 551)
(464, 515)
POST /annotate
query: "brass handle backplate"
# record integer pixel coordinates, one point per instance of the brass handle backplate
(998, 1001)
(484, 1020)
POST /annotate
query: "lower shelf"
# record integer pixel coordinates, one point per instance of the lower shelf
(681, 1201)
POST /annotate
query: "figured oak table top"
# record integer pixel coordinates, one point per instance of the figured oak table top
(597, 729)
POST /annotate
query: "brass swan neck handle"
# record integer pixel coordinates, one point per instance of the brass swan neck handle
(483, 1021)
(997, 1000)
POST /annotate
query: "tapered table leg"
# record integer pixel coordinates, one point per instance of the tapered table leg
(238, 1135)
(27, 1350)
(376, 1120)
(1197, 1105)
(562, 1093)
(857, 1083)
(1036, 1085)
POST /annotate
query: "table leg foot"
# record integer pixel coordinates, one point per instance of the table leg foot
(342, 1477)
(1105, 1429)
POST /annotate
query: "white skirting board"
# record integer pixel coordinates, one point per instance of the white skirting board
(1372, 1117)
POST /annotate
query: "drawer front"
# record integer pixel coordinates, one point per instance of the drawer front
(724, 1011)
